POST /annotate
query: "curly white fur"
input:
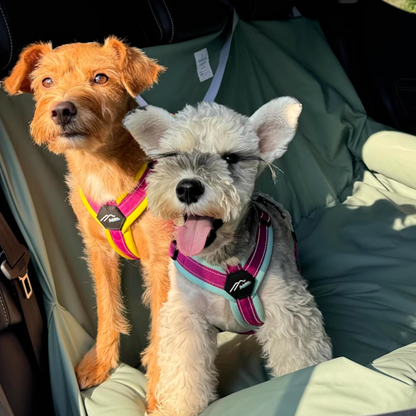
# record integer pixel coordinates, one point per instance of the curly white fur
(293, 335)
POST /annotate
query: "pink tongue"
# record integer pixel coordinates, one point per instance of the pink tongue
(192, 236)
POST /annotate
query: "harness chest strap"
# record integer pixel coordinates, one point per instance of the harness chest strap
(239, 284)
(118, 216)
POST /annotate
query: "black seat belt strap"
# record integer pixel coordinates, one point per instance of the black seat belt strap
(14, 262)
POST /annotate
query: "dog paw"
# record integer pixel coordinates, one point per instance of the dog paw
(90, 372)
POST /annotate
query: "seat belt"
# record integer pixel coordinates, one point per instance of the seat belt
(212, 92)
(215, 85)
(5, 409)
(14, 262)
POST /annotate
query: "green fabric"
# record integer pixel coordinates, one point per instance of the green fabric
(355, 225)
(392, 154)
(338, 387)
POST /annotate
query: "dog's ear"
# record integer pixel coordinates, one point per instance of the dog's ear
(19, 80)
(275, 124)
(138, 72)
(147, 126)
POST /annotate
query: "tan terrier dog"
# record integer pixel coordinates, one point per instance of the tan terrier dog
(82, 92)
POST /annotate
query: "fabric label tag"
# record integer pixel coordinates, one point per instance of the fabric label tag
(203, 68)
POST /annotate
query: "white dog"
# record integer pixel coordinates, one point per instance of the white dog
(233, 259)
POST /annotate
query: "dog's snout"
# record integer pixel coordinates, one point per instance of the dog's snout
(63, 113)
(189, 191)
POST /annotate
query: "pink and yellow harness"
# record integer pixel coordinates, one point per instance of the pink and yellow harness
(118, 216)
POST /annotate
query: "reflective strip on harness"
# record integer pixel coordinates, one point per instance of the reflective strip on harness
(118, 216)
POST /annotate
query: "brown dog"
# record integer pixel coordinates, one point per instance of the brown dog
(82, 92)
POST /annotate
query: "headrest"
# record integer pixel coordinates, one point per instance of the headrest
(141, 23)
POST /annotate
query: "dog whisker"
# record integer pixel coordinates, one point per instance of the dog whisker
(165, 155)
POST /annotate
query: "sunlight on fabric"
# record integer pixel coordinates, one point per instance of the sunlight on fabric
(406, 5)
(400, 223)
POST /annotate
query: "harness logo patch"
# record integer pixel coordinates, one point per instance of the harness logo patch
(239, 284)
(111, 217)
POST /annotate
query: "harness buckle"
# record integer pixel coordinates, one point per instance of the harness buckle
(265, 221)
(173, 251)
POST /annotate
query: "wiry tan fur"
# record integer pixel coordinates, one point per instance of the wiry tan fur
(103, 160)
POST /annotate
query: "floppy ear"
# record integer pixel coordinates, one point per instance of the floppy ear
(275, 125)
(19, 80)
(147, 126)
(138, 72)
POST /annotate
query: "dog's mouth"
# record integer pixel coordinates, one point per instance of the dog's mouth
(197, 233)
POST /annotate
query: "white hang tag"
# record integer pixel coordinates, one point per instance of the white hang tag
(203, 68)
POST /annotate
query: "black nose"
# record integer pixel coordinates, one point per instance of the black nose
(189, 191)
(62, 113)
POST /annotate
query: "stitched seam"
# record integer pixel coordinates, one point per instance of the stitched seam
(124, 245)
(4, 309)
(199, 275)
(10, 37)
(171, 20)
(255, 251)
(154, 17)
(206, 268)
(253, 311)
(264, 252)
(229, 268)
(93, 204)
(244, 316)
(206, 280)
(133, 194)
(241, 311)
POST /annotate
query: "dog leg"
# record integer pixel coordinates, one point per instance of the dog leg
(153, 237)
(158, 290)
(187, 349)
(104, 356)
(293, 335)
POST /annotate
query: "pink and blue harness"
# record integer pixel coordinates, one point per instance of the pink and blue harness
(238, 284)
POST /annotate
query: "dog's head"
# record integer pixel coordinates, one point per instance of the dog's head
(80, 89)
(208, 159)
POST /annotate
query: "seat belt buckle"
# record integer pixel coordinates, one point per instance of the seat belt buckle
(26, 285)
(18, 270)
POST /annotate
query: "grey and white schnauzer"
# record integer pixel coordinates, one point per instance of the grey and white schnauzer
(207, 161)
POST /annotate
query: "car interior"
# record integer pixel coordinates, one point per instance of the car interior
(348, 180)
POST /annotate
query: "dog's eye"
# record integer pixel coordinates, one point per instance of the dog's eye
(101, 79)
(231, 158)
(47, 82)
